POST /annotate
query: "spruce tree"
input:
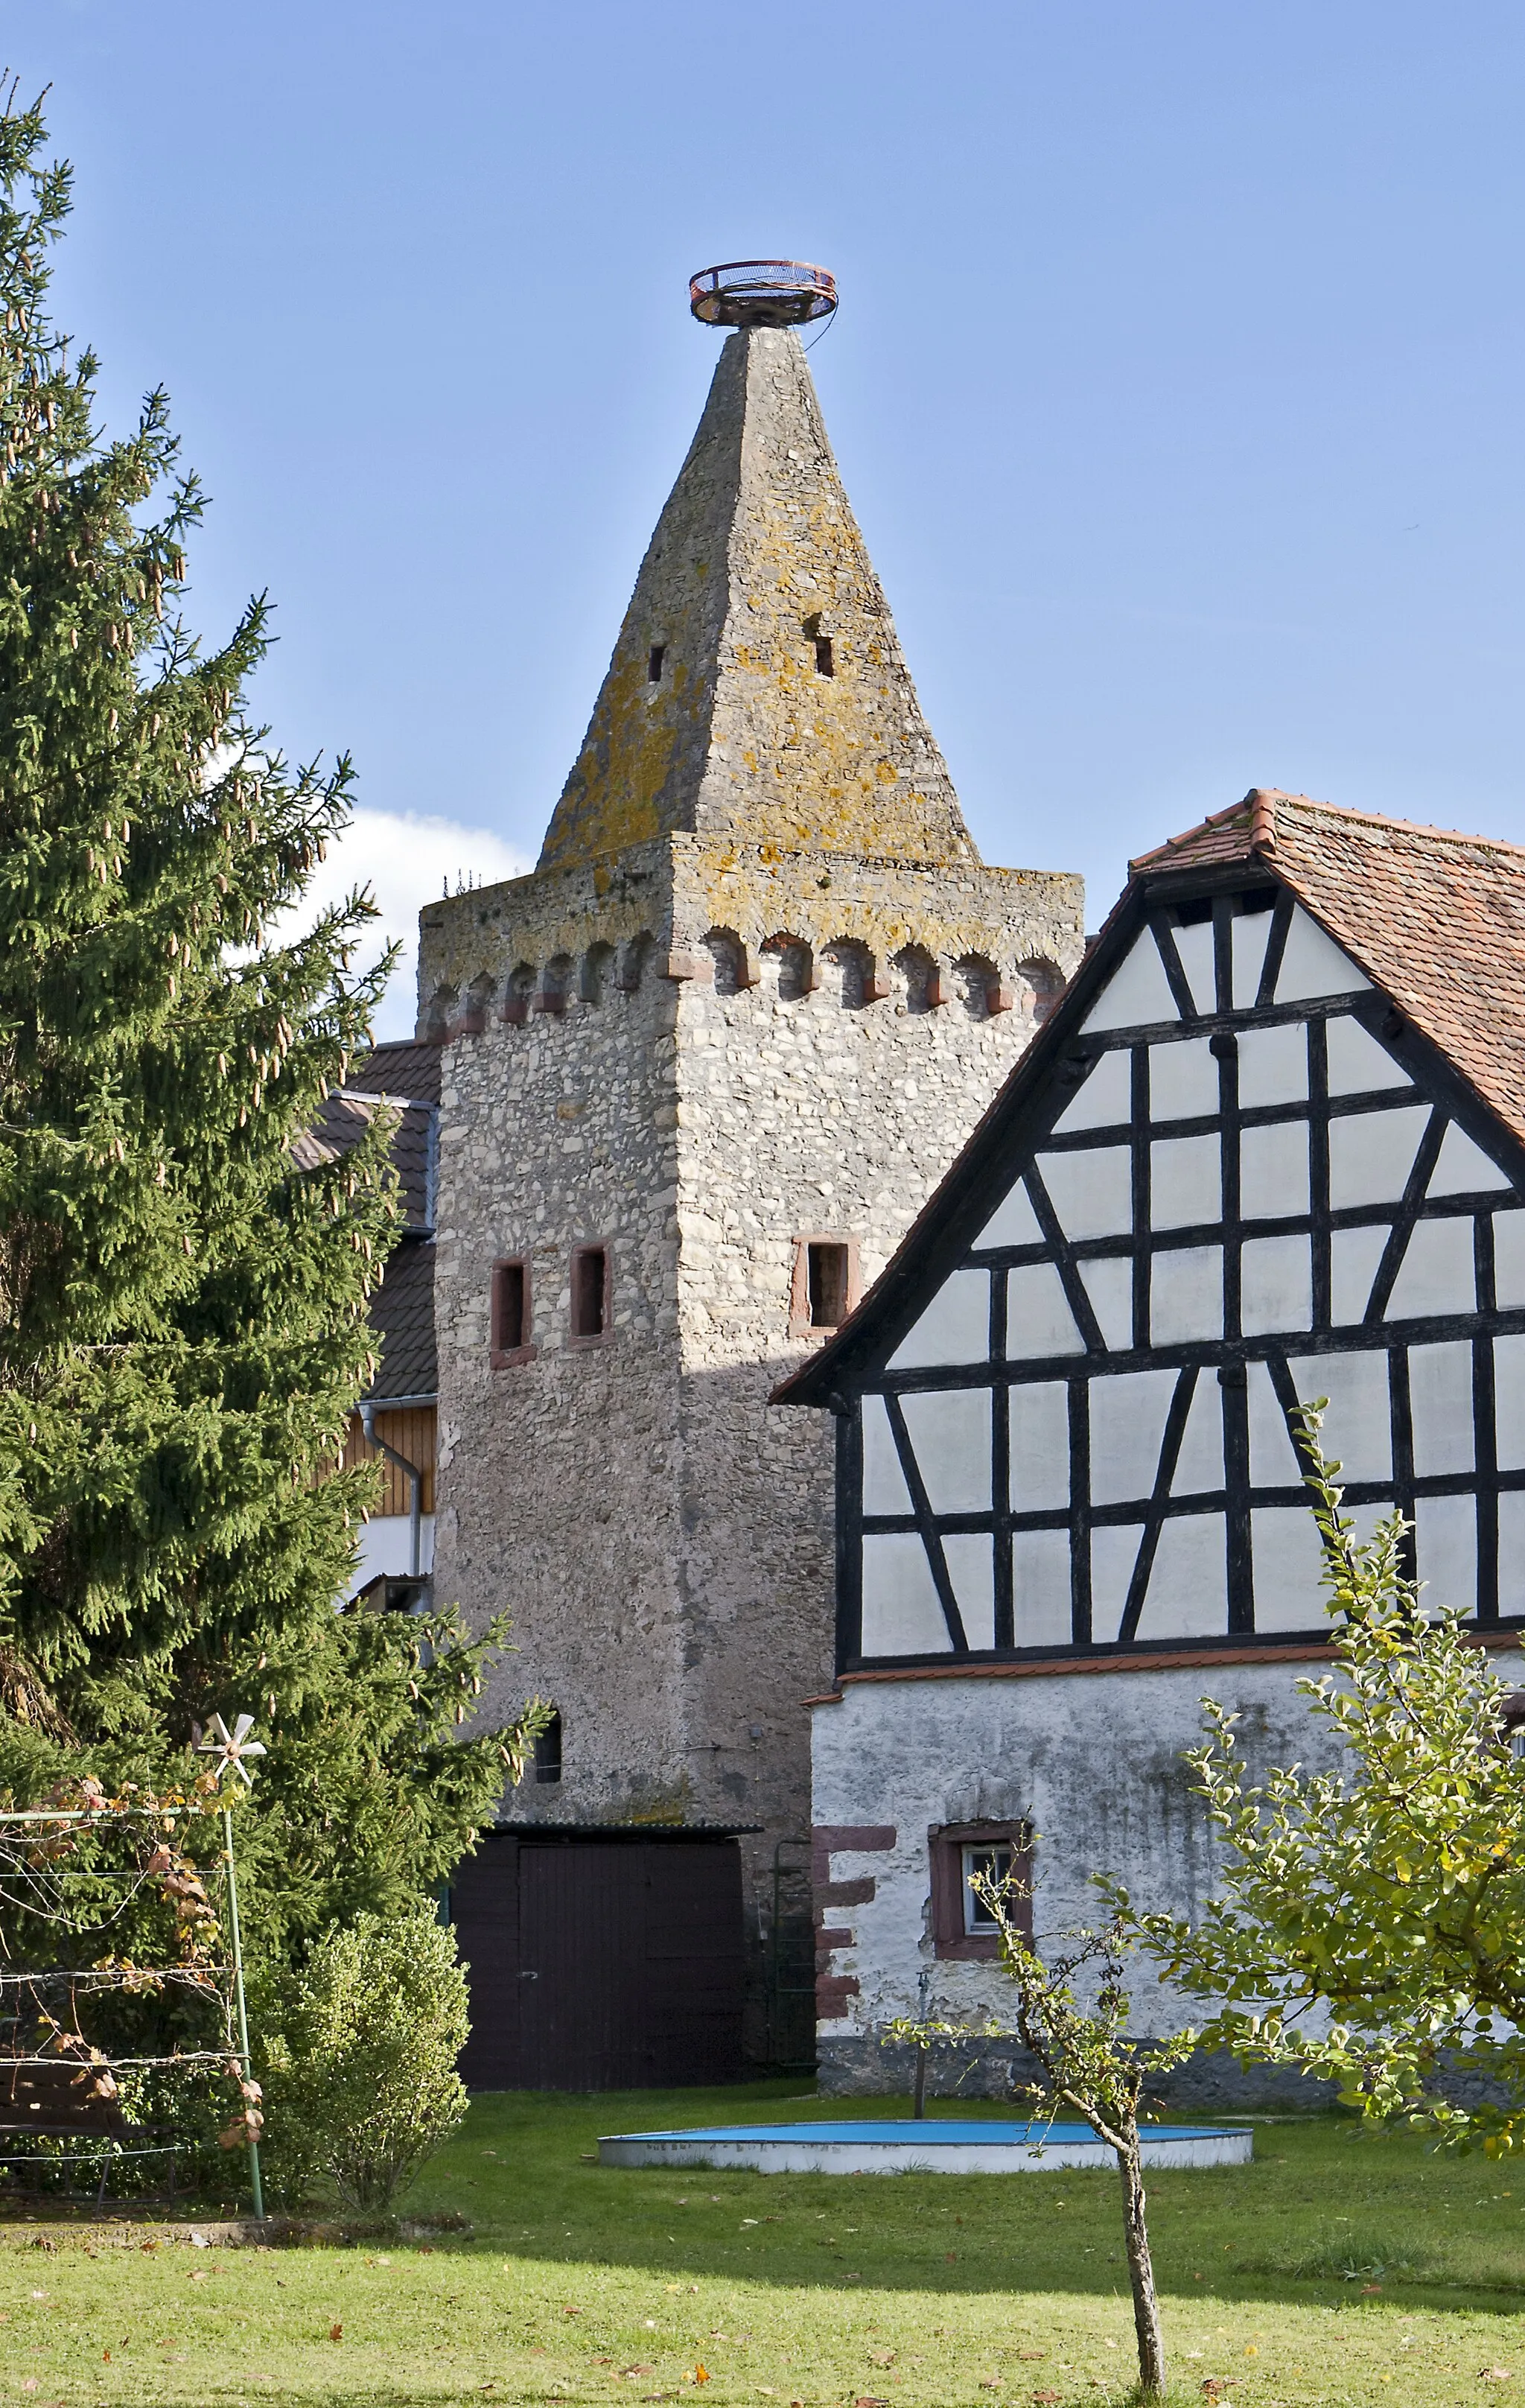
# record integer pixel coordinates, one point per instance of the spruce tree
(183, 1311)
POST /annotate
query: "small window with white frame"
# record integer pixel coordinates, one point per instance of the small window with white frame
(986, 1865)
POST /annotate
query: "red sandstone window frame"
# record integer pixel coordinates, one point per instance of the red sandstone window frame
(951, 1938)
(507, 1359)
(800, 1323)
(581, 1339)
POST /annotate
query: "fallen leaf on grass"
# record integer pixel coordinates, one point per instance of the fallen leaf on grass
(1045, 2399)
(1032, 2353)
(336, 2332)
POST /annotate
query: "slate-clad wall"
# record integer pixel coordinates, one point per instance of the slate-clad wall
(1091, 1761)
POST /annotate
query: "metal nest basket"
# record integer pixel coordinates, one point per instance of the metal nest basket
(761, 293)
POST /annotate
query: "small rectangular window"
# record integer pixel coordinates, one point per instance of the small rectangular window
(963, 1853)
(983, 1863)
(654, 661)
(590, 1292)
(827, 1282)
(825, 665)
(510, 1314)
(547, 1750)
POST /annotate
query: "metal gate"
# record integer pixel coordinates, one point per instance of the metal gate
(601, 1962)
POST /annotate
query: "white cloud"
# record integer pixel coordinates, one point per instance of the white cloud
(406, 860)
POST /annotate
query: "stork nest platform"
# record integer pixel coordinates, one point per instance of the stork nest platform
(761, 293)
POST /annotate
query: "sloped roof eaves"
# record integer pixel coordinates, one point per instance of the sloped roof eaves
(958, 1195)
(402, 1316)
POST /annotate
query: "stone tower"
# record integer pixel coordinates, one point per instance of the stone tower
(701, 1070)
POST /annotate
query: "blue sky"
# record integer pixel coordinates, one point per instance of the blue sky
(1175, 384)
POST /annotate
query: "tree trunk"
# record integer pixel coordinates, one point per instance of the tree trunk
(919, 2089)
(1152, 2340)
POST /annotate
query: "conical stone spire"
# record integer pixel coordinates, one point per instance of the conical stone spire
(758, 690)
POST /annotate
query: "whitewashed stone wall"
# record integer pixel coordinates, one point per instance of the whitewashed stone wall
(1092, 1762)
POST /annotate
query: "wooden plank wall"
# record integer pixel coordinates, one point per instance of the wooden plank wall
(413, 1434)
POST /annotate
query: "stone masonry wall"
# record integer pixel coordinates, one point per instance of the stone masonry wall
(711, 1054)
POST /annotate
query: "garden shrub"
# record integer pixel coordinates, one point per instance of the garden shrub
(358, 2059)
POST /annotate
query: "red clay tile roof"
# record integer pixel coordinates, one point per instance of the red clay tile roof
(1434, 918)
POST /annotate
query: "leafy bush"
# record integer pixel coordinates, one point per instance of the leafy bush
(358, 2059)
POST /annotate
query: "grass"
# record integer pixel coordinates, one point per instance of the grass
(1336, 2270)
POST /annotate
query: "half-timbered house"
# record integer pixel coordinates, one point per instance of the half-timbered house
(1270, 1148)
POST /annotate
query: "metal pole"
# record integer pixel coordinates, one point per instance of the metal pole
(254, 2183)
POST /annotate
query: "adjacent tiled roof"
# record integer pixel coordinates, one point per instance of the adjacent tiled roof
(403, 1311)
(1434, 918)
(402, 1079)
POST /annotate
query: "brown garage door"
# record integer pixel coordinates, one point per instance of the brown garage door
(601, 1963)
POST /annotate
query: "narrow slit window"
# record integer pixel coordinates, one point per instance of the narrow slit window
(826, 1282)
(825, 665)
(590, 1291)
(547, 1750)
(653, 665)
(511, 1308)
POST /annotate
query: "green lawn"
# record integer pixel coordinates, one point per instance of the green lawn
(582, 2284)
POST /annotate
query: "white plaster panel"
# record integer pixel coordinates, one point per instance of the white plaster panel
(1446, 1544)
(1372, 1153)
(950, 1431)
(1358, 1065)
(1275, 1286)
(1509, 1402)
(1251, 931)
(1013, 1222)
(1109, 1284)
(1093, 1193)
(386, 1549)
(1106, 1099)
(1186, 1184)
(1273, 1458)
(884, 1482)
(1273, 1172)
(1113, 1554)
(1273, 1066)
(1358, 1427)
(1040, 1447)
(1038, 1318)
(1437, 1274)
(1185, 1294)
(1187, 1593)
(1313, 964)
(1353, 1257)
(1040, 1582)
(1440, 1393)
(1137, 993)
(1512, 1551)
(1199, 1466)
(971, 1569)
(954, 1328)
(1183, 1081)
(920, 1754)
(901, 1615)
(1509, 1258)
(1195, 949)
(1288, 1562)
(1127, 1424)
(1462, 1169)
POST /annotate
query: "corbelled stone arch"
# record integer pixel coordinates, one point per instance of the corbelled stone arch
(634, 961)
(476, 1005)
(516, 994)
(594, 974)
(555, 986)
(793, 963)
(735, 964)
(975, 982)
(849, 975)
(1040, 983)
(916, 979)
(438, 1013)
